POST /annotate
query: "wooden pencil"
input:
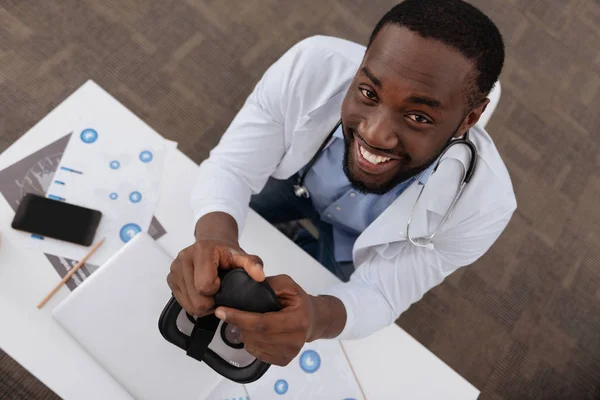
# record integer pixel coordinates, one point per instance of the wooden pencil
(70, 274)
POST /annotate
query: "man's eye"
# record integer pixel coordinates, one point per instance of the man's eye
(419, 118)
(368, 94)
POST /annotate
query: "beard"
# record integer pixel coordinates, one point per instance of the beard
(404, 173)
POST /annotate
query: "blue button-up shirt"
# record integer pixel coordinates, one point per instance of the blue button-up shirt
(349, 211)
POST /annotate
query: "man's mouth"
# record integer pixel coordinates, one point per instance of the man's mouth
(372, 158)
(372, 163)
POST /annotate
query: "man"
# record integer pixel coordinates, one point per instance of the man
(421, 83)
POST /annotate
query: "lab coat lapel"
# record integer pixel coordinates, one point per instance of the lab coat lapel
(318, 123)
(309, 134)
(391, 225)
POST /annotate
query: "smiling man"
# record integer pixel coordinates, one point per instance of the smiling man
(353, 138)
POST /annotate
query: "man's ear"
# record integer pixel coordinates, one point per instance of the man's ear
(472, 118)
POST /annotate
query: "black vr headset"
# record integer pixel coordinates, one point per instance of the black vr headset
(216, 342)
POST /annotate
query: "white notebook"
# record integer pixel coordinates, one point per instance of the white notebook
(114, 316)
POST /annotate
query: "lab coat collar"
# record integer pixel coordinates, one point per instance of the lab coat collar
(324, 117)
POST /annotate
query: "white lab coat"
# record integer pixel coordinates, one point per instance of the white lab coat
(280, 127)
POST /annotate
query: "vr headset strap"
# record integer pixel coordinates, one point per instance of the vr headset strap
(202, 335)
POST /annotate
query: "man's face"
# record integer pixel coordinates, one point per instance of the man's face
(405, 103)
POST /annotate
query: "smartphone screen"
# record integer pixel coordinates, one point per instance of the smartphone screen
(56, 219)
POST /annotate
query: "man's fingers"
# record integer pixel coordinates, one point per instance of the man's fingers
(271, 355)
(199, 301)
(178, 289)
(236, 259)
(283, 284)
(182, 285)
(260, 339)
(279, 321)
(268, 354)
(260, 354)
(206, 262)
(242, 319)
(184, 300)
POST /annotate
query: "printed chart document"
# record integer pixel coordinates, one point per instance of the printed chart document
(113, 162)
(320, 371)
(114, 169)
(34, 174)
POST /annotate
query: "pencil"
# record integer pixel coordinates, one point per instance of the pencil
(352, 369)
(70, 274)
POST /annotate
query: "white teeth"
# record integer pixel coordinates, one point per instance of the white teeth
(372, 158)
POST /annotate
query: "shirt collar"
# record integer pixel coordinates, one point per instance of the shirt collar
(338, 132)
(424, 175)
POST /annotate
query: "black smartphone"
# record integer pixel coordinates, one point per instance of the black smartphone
(56, 219)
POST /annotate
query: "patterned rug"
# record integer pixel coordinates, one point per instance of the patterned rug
(521, 323)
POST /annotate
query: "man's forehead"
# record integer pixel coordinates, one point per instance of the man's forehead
(398, 53)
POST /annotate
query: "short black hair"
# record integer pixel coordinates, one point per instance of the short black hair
(457, 24)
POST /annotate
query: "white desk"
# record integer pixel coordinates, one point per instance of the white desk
(389, 364)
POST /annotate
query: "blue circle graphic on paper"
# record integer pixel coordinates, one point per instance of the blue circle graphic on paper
(128, 231)
(135, 197)
(310, 361)
(281, 386)
(113, 196)
(89, 136)
(115, 164)
(146, 156)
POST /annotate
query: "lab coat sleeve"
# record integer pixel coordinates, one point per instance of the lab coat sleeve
(251, 148)
(395, 276)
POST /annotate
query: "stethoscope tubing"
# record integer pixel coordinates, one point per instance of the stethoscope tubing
(301, 191)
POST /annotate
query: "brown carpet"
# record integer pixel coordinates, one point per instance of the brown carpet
(524, 321)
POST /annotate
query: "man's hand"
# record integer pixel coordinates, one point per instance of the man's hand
(277, 337)
(193, 278)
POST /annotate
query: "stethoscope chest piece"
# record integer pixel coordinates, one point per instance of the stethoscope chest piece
(301, 191)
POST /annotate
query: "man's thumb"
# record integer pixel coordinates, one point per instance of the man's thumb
(251, 263)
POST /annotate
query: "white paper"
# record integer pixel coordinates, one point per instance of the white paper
(320, 371)
(115, 168)
(228, 390)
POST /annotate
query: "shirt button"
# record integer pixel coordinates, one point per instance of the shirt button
(338, 208)
(329, 215)
(352, 194)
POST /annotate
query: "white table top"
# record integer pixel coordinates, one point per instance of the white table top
(388, 363)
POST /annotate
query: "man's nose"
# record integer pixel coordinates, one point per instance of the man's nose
(378, 132)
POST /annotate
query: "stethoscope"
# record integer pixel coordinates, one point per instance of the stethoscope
(301, 191)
